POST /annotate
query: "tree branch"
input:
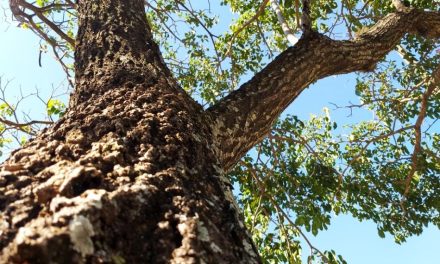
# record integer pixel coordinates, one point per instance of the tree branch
(21, 126)
(399, 5)
(246, 24)
(306, 21)
(288, 32)
(21, 16)
(418, 130)
(55, 28)
(244, 117)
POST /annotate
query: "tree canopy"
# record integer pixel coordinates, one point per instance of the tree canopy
(385, 169)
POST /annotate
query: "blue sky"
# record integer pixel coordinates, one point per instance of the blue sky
(19, 56)
(357, 242)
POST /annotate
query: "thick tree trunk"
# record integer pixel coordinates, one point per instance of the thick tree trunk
(130, 174)
(134, 172)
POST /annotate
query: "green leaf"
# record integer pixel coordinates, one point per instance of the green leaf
(55, 107)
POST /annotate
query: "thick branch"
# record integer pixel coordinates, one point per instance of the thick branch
(244, 118)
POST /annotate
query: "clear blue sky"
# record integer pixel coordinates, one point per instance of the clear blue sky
(357, 242)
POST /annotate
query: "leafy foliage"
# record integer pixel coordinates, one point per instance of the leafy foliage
(55, 107)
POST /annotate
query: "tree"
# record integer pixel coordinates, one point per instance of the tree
(135, 170)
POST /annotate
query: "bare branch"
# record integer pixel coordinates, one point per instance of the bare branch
(55, 28)
(21, 16)
(435, 84)
(21, 125)
(288, 32)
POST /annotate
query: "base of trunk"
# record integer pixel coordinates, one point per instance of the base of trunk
(134, 181)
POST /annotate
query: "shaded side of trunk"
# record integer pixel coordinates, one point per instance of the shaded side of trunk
(128, 175)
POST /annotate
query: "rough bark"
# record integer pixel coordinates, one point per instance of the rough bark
(244, 117)
(129, 174)
(134, 172)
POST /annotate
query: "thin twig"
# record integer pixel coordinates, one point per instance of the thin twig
(246, 24)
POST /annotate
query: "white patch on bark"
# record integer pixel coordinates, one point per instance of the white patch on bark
(203, 233)
(64, 207)
(22, 234)
(81, 231)
(4, 225)
(183, 228)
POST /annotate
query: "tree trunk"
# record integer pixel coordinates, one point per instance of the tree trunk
(134, 172)
(130, 174)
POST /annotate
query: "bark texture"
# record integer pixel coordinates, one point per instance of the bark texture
(244, 117)
(129, 174)
(134, 172)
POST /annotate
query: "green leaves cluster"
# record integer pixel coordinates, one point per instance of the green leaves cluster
(55, 108)
(292, 184)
